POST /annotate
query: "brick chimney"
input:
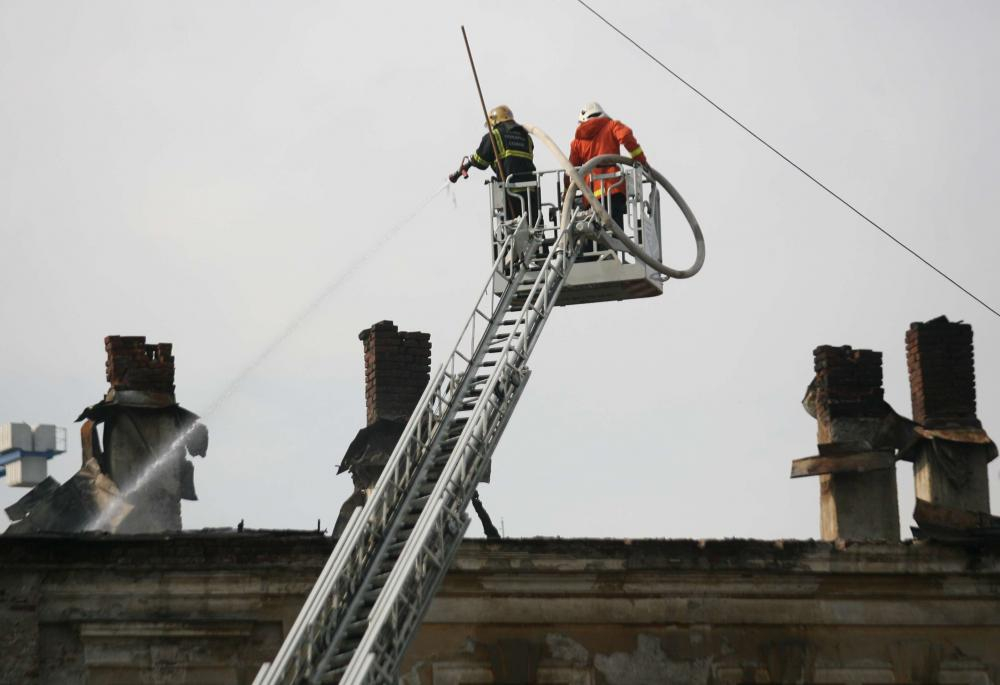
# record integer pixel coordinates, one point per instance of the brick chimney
(949, 464)
(942, 373)
(134, 365)
(848, 391)
(397, 369)
(858, 498)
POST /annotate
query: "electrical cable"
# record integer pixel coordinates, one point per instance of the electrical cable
(784, 157)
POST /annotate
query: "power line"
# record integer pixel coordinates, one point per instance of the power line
(782, 155)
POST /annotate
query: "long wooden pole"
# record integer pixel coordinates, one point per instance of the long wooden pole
(489, 126)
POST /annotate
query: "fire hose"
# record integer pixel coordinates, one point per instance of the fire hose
(609, 224)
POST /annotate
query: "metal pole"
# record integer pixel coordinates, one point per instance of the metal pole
(489, 126)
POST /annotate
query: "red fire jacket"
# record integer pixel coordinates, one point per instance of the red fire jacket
(603, 136)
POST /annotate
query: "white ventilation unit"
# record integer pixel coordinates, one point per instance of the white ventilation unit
(27, 471)
(16, 436)
(49, 438)
(25, 451)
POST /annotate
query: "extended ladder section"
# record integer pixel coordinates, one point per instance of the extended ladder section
(373, 592)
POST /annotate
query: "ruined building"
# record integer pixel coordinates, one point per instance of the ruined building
(135, 471)
(859, 606)
(397, 369)
(860, 439)
(952, 450)
(857, 437)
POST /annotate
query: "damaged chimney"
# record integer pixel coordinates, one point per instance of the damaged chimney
(134, 365)
(135, 444)
(857, 473)
(949, 462)
(848, 391)
(397, 369)
(942, 374)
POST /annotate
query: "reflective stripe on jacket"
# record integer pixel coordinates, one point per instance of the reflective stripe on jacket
(514, 147)
(603, 136)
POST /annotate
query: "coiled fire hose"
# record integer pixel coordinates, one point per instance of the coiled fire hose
(576, 182)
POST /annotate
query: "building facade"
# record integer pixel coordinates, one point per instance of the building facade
(209, 608)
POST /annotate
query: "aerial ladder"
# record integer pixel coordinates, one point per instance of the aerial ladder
(374, 590)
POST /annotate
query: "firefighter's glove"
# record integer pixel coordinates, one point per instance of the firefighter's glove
(463, 170)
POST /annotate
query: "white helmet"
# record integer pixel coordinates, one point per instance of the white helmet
(591, 110)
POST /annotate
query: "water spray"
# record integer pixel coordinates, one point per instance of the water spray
(177, 449)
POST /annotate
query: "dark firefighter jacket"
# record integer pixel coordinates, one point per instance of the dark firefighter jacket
(515, 148)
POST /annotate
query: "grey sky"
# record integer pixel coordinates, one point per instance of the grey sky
(197, 172)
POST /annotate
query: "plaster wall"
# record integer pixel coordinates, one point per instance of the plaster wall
(208, 608)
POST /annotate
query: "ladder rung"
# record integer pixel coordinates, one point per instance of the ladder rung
(334, 676)
(353, 628)
(363, 612)
(412, 518)
(426, 490)
(344, 656)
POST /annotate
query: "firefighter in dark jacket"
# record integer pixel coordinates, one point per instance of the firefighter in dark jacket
(516, 152)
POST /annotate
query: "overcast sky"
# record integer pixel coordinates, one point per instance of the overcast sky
(198, 172)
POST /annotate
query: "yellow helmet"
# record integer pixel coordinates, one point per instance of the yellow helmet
(499, 114)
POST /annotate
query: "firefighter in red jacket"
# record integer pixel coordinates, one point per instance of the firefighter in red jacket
(598, 134)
